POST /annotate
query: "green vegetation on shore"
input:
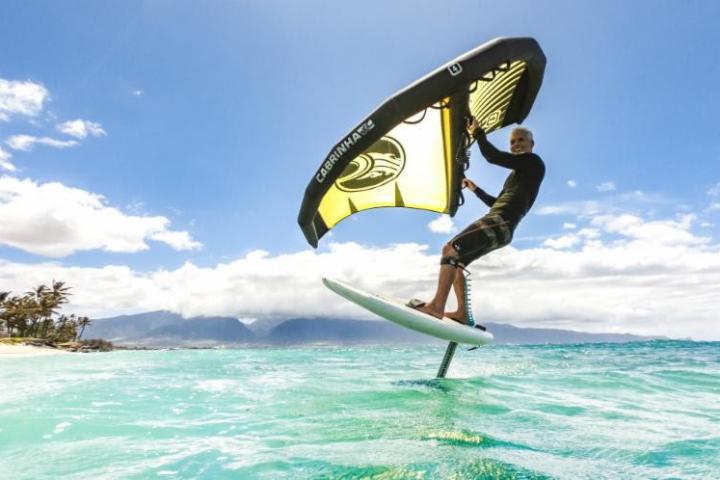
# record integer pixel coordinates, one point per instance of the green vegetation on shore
(35, 318)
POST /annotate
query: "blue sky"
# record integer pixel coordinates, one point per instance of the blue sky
(210, 118)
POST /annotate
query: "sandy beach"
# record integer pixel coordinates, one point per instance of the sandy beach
(28, 351)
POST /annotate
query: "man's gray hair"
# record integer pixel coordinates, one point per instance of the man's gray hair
(524, 131)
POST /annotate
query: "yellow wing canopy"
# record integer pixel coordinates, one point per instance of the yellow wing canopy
(411, 151)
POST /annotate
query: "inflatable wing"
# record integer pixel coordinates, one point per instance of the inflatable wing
(410, 152)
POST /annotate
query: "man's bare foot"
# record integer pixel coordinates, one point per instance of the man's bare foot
(458, 316)
(461, 317)
(428, 308)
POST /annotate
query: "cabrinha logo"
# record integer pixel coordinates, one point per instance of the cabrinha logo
(342, 148)
(378, 165)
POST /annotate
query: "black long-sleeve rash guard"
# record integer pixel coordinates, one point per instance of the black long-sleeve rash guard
(521, 186)
(487, 199)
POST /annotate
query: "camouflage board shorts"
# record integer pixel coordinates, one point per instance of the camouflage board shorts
(481, 237)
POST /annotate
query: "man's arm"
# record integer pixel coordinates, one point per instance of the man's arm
(487, 199)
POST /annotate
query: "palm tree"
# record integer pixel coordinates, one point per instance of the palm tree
(36, 306)
(24, 311)
(3, 310)
(37, 292)
(60, 324)
(42, 303)
(59, 294)
(82, 323)
(56, 297)
(65, 328)
(45, 326)
(53, 298)
(33, 313)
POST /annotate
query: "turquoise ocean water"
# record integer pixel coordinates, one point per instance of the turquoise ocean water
(640, 410)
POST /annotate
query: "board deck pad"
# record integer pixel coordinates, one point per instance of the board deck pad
(398, 312)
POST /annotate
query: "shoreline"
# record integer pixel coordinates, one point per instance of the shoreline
(22, 350)
(31, 347)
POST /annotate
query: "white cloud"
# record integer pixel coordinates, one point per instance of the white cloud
(605, 187)
(27, 142)
(21, 98)
(53, 220)
(622, 202)
(564, 241)
(137, 93)
(664, 232)
(572, 208)
(177, 240)
(660, 286)
(589, 233)
(81, 128)
(5, 164)
(572, 183)
(714, 191)
(714, 207)
(569, 226)
(442, 224)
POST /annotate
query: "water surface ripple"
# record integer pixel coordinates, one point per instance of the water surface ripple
(639, 410)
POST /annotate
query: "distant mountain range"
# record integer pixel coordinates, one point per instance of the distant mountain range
(166, 329)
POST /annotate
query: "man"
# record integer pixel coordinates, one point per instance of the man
(495, 229)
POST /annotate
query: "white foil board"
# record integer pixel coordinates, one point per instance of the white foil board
(397, 312)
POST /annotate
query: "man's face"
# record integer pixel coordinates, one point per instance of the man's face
(520, 143)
